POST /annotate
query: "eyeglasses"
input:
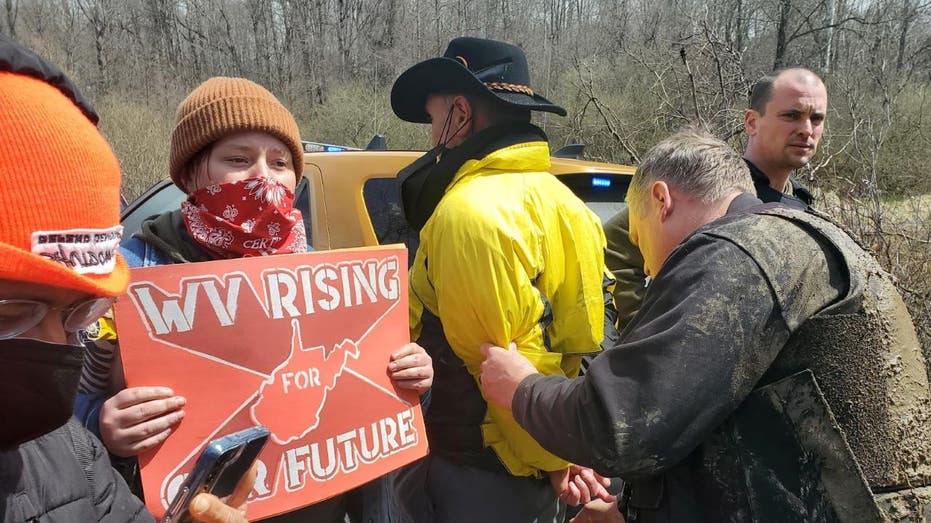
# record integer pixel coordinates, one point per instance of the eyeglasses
(18, 316)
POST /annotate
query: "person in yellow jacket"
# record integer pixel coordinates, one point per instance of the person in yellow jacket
(507, 252)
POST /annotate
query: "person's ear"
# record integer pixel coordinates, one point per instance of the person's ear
(750, 120)
(661, 200)
(462, 114)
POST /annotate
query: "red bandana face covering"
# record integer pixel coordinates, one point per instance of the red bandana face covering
(254, 217)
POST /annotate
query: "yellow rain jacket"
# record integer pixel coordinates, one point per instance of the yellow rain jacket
(509, 254)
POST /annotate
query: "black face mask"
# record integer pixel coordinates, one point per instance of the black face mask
(414, 180)
(423, 183)
(38, 383)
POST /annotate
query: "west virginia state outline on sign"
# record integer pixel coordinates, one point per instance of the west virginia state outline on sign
(299, 343)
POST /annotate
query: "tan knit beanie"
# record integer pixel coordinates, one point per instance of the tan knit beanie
(222, 106)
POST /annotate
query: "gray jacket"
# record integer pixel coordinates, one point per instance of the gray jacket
(65, 476)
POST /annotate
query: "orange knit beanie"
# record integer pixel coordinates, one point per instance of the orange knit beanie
(59, 192)
(222, 106)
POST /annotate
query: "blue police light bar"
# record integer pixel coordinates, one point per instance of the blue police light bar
(317, 147)
(598, 181)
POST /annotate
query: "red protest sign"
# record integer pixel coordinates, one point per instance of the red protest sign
(299, 343)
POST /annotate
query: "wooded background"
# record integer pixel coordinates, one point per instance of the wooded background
(630, 72)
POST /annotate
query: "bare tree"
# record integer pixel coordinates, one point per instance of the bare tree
(98, 15)
(782, 27)
(12, 11)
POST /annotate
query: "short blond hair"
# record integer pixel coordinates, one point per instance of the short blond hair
(694, 162)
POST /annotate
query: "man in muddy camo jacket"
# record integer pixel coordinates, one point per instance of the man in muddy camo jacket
(771, 374)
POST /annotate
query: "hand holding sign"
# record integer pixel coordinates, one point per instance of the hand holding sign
(138, 419)
(412, 368)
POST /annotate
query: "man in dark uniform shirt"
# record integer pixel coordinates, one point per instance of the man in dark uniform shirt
(783, 125)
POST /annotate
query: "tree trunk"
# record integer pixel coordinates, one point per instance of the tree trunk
(12, 10)
(907, 16)
(343, 38)
(781, 30)
(99, 19)
(829, 17)
(739, 37)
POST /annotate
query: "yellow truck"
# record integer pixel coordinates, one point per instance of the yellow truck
(349, 197)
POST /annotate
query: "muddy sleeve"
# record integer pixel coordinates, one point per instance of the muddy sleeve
(707, 331)
(626, 264)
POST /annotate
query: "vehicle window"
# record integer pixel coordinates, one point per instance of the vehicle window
(302, 203)
(604, 193)
(606, 210)
(383, 203)
(162, 197)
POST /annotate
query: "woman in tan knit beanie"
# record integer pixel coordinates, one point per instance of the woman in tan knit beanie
(236, 152)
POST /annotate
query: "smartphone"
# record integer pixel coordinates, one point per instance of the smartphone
(218, 469)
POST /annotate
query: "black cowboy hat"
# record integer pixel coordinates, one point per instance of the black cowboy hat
(473, 65)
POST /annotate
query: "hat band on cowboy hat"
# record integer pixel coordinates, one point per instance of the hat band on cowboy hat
(490, 68)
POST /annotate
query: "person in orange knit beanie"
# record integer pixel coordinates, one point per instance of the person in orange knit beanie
(234, 146)
(59, 271)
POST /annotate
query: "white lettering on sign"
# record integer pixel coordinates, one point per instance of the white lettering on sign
(260, 487)
(288, 293)
(344, 452)
(175, 313)
(329, 287)
(300, 379)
